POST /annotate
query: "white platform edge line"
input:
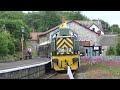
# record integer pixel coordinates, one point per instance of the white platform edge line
(22, 67)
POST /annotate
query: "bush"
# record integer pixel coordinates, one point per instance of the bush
(118, 49)
(18, 45)
(4, 43)
(11, 48)
(9, 58)
(110, 51)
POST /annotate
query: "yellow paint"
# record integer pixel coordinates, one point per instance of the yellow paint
(70, 40)
(62, 59)
(63, 25)
(66, 43)
(64, 46)
(58, 41)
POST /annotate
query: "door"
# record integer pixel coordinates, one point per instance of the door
(86, 52)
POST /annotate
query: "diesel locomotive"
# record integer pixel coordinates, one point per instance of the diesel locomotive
(63, 49)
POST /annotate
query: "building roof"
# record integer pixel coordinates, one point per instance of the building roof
(34, 35)
(107, 40)
(68, 21)
(44, 43)
(89, 23)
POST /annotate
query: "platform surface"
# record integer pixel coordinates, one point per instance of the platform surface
(23, 63)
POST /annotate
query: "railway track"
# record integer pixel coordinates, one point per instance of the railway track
(51, 75)
(77, 74)
(57, 75)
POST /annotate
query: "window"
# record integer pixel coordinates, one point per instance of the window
(86, 50)
(93, 29)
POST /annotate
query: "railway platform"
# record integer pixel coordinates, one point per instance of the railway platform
(22, 63)
(24, 69)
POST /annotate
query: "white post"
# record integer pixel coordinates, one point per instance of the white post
(69, 72)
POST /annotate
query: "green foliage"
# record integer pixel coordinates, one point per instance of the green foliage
(118, 49)
(76, 15)
(42, 21)
(105, 25)
(118, 45)
(11, 48)
(115, 28)
(12, 15)
(14, 27)
(4, 40)
(45, 20)
(8, 58)
(50, 20)
(110, 51)
(72, 15)
(18, 45)
(33, 20)
(10, 25)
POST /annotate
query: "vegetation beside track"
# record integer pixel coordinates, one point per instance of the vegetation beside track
(100, 71)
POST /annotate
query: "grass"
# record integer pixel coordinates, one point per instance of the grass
(115, 71)
(10, 58)
(100, 71)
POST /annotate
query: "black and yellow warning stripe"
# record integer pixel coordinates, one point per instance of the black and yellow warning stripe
(64, 43)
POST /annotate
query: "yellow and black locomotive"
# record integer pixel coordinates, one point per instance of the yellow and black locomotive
(65, 50)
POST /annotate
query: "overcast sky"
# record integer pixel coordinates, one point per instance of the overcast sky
(112, 17)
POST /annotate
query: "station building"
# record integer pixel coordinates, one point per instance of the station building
(93, 40)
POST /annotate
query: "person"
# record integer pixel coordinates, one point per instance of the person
(30, 53)
(27, 54)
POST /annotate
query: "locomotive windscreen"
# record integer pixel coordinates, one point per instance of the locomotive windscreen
(64, 45)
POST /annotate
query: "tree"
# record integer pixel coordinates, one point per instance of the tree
(5, 38)
(49, 20)
(12, 22)
(11, 47)
(45, 20)
(42, 21)
(118, 45)
(33, 20)
(76, 15)
(72, 15)
(105, 25)
(115, 28)
(118, 49)
(110, 51)
(12, 15)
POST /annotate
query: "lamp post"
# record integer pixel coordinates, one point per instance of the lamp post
(22, 29)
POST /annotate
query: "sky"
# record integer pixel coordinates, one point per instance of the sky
(112, 17)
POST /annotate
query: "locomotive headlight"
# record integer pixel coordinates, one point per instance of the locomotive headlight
(75, 60)
(55, 61)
